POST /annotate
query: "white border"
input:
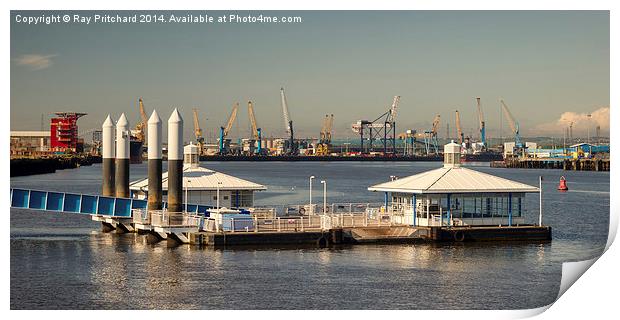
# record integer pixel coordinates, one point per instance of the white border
(594, 295)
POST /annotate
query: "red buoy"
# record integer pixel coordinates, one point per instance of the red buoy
(562, 186)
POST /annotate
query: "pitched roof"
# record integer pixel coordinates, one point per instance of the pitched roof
(452, 180)
(199, 178)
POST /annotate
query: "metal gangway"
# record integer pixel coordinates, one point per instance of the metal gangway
(85, 203)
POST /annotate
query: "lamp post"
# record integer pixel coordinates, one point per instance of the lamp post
(310, 209)
(324, 196)
(218, 195)
(186, 194)
(540, 199)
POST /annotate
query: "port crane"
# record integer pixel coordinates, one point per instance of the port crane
(291, 147)
(514, 126)
(430, 137)
(224, 145)
(481, 125)
(256, 131)
(458, 128)
(200, 140)
(324, 146)
(382, 128)
(140, 131)
(409, 137)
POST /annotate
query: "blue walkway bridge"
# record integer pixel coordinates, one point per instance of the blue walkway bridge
(85, 204)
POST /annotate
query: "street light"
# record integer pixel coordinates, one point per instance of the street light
(324, 196)
(218, 195)
(311, 211)
(186, 193)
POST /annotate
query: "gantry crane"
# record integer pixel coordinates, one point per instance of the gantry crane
(291, 147)
(409, 136)
(200, 140)
(514, 126)
(224, 142)
(383, 127)
(256, 132)
(430, 137)
(324, 146)
(481, 125)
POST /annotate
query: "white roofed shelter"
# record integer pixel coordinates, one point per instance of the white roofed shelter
(455, 196)
(201, 185)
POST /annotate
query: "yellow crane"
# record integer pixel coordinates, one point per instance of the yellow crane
(231, 119)
(256, 131)
(140, 131)
(198, 132)
(323, 148)
(225, 130)
(252, 120)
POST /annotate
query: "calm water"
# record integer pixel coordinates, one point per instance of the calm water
(63, 261)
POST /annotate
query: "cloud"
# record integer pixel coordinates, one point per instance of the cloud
(35, 61)
(581, 123)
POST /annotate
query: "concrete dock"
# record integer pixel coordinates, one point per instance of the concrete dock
(321, 231)
(549, 163)
(361, 235)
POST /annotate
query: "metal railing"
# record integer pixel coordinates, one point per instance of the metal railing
(317, 208)
(301, 223)
(256, 224)
(141, 216)
(263, 212)
(168, 219)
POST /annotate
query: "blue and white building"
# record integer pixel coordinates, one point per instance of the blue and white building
(455, 196)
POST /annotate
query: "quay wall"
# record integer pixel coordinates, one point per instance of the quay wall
(319, 158)
(29, 166)
(316, 238)
(347, 236)
(566, 164)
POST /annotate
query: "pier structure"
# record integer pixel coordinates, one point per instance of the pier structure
(108, 154)
(454, 196)
(155, 196)
(120, 224)
(221, 193)
(451, 203)
(122, 157)
(175, 162)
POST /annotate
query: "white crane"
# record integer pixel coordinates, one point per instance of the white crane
(483, 137)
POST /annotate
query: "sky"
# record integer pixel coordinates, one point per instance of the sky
(550, 67)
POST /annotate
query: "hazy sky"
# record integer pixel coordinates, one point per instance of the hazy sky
(350, 64)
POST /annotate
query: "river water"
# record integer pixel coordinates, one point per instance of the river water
(64, 261)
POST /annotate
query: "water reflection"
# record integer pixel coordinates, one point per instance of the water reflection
(61, 263)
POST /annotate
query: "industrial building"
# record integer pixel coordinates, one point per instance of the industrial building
(64, 132)
(29, 143)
